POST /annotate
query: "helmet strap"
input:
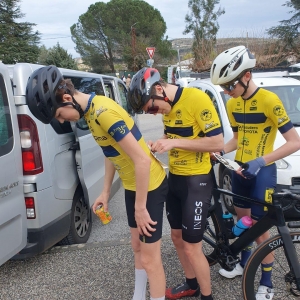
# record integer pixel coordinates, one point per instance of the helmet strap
(165, 98)
(77, 106)
(244, 86)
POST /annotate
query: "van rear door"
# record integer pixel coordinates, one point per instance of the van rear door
(13, 229)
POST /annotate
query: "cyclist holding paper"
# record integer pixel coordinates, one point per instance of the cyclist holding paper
(255, 115)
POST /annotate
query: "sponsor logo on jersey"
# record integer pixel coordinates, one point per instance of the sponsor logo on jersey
(254, 102)
(247, 151)
(178, 114)
(283, 119)
(174, 153)
(245, 141)
(205, 115)
(120, 129)
(253, 108)
(278, 110)
(100, 111)
(178, 122)
(180, 163)
(211, 125)
(100, 138)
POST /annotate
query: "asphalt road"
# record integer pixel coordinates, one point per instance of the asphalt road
(102, 268)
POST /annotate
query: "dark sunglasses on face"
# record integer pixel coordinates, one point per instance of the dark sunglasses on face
(229, 87)
(152, 109)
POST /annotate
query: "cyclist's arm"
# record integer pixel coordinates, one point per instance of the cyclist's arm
(142, 163)
(108, 179)
(206, 144)
(292, 145)
(231, 145)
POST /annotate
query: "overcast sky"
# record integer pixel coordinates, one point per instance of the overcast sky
(54, 18)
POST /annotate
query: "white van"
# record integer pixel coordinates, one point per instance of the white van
(50, 174)
(180, 75)
(288, 90)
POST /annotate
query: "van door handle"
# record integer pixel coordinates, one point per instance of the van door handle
(75, 146)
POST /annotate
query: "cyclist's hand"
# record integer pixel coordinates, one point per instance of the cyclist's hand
(252, 167)
(144, 222)
(102, 199)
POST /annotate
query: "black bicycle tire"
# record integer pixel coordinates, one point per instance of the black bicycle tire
(212, 257)
(254, 261)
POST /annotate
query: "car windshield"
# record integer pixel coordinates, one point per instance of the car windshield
(290, 97)
(184, 73)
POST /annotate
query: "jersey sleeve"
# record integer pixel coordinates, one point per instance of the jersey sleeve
(277, 113)
(207, 116)
(113, 123)
(231, 118)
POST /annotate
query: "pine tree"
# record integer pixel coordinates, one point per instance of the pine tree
(18, 42)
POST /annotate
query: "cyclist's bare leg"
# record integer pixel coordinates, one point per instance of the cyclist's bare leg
(152, 263)
(197, 259)
(270, 257)
(242, 212)
(176, 235)
(147, 256)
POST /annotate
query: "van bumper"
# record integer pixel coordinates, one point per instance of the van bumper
(41, 239)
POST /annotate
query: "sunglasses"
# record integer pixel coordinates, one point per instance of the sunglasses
(152, 109)
(229, 87)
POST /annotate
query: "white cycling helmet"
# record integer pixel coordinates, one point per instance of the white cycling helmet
(230, 64)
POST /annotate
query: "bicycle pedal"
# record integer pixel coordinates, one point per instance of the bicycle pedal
(294, 224)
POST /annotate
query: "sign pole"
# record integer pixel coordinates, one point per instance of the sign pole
(150, 51)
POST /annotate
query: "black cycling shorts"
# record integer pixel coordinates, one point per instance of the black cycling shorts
(188, 201)
(155, 207)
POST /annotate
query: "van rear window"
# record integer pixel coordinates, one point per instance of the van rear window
(6, 140)
(82, 84)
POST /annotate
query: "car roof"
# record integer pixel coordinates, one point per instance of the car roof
(259, 81)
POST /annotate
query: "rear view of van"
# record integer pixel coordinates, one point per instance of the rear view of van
(59, 168)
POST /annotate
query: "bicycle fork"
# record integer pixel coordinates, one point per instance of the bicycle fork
(291, 255)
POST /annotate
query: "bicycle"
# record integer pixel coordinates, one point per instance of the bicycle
(285, 245)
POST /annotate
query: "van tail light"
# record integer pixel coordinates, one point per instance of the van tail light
(30, 145)
(30, 208)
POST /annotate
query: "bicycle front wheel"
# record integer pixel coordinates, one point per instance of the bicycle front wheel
(282, 276)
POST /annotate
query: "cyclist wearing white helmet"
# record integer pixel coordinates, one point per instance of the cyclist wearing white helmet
(192, 129)
(255, 115)
(50, 96)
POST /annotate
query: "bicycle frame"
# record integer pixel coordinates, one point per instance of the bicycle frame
(273, 217)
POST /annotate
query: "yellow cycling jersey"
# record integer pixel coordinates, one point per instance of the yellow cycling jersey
(109, 124)
(193, 116)
(256, 121)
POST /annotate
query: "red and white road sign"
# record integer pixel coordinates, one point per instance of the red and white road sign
(150, 51)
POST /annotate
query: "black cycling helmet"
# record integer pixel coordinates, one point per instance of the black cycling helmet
(40, 93)
(140, 87)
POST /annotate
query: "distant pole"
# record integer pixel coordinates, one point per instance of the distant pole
(133, 44)
(179, 63)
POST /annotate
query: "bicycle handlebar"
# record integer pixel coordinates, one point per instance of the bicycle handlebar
(286, 194)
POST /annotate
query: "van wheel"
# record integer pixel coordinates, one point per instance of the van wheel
(81, 221)
(226, 184)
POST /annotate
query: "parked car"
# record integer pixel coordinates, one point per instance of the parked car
(50, 174)
(288, 90)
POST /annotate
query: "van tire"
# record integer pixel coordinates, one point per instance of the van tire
(226, 184)
(81, 221)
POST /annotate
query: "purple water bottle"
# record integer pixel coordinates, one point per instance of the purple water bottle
(242, 224)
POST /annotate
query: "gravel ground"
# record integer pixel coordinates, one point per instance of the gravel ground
(102, 268)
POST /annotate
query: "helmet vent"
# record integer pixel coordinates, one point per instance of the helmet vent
(223, 70)
(238, 63)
